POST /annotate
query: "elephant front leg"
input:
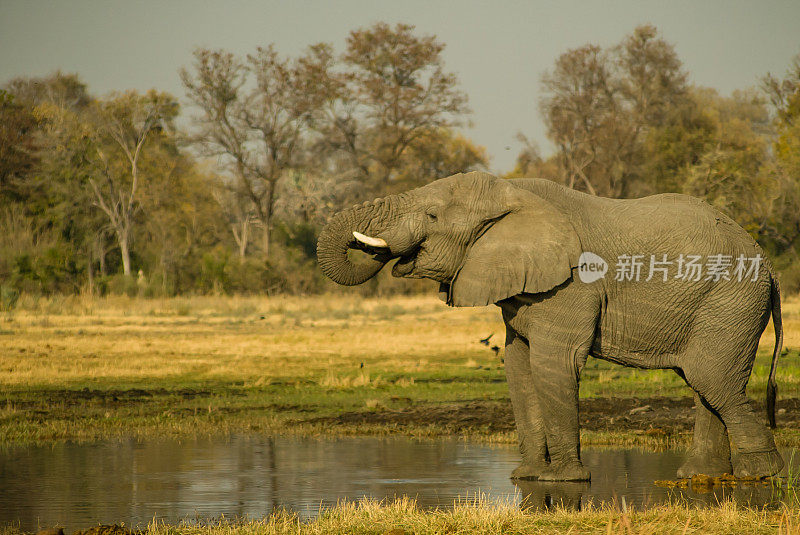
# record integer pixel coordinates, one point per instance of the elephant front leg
(530, 427)
(555, 379)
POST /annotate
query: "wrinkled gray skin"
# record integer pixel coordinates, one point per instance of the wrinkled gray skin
(516, 243)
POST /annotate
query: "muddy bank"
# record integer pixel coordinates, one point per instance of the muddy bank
(655, 414)
(90, 414)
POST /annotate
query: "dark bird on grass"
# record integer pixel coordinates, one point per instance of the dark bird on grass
(496, 350)
(485, 341)
(362, 365)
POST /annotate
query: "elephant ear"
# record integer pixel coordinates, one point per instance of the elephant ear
(529, 250)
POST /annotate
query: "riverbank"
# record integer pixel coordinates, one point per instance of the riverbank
(78, 369)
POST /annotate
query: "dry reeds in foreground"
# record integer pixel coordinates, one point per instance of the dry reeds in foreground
(484, 517)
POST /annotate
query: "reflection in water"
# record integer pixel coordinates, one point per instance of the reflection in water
(133, 482)
(628, 475)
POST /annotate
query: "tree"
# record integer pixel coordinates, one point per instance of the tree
(718, 148)
(180, 218)
(437, 154)
(257, 128)
(64, 90)
(386, 97)
(55, 192)
(784, 96)
(577, 108)
(238, 211)
(600, 105)
(18, 143)
(727, 171)
(651, 80)
(122, 125)
(368, 117)
(530, 164)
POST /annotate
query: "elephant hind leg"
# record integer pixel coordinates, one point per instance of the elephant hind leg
(755, 454)
(755, 451)
(710, 452)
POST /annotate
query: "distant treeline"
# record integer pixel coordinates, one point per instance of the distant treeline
(107, 194)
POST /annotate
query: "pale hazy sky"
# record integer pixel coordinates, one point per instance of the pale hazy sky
(498, 49)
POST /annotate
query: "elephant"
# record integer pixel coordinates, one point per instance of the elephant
(536, 249)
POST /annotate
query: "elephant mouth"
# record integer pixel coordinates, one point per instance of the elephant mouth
(405, 265)
(381, 251)
(402, 268)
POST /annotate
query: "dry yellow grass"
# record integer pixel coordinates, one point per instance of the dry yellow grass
(66, 340)
(83, 340)
(491, 518)
(246, 363)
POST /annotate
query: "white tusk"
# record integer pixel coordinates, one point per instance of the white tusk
(367, 240)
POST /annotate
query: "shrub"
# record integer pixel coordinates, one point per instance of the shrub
(8, 297)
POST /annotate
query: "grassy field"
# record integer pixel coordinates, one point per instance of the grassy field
(75, 368)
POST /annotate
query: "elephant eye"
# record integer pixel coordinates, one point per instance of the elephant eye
(431, 217)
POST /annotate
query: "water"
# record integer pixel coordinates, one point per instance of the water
(80, 485)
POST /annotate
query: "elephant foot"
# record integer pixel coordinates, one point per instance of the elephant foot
(704, 463)
(570, 471)
(758, 464)
(528, 470)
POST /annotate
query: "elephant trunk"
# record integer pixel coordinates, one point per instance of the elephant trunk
(337, 237)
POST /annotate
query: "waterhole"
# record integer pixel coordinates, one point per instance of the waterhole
(80, 485)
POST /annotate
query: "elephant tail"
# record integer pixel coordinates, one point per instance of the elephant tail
(772, 385)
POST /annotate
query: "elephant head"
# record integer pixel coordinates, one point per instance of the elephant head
(483, 238)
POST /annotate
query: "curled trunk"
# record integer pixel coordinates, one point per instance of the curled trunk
(337, 237)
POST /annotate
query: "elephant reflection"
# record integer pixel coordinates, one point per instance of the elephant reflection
(546, 495)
